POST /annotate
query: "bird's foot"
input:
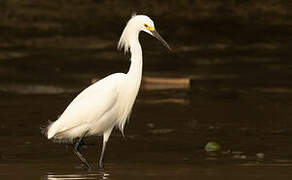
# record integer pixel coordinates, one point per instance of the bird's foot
(81, 158)
(100, 164)
(83, 166)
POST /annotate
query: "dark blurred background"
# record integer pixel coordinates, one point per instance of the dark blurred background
(44, 40)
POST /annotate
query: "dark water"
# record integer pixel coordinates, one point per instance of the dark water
(164, 139)
(227, 81)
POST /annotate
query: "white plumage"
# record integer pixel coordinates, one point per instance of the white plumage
(107, 103)
(92, 110)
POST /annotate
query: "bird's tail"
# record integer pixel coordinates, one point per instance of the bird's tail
(50, 130)
(44, 129)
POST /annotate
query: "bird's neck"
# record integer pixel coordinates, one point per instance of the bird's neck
(135, 70)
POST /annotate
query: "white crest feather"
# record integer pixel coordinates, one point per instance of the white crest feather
(134, 14)
(123, 42)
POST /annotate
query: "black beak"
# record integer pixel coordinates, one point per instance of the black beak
(157, 35)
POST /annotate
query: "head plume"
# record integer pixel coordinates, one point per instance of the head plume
(136, 24)
(123, 42)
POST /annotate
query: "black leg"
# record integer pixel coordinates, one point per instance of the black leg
(101, 155)
(78, 154)
(106, 135)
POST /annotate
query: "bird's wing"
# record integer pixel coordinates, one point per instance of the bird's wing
(104, 84)
(91, 103)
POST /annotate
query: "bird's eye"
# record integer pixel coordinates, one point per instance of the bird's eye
(150, 28)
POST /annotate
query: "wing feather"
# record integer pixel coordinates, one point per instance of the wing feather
(89, 105)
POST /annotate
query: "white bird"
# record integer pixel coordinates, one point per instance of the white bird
(107, 103)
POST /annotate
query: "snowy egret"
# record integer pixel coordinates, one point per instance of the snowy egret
(107, 103)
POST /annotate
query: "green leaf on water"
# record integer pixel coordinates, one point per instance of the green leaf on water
(212, 147)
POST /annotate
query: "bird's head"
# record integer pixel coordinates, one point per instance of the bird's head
(136, 24)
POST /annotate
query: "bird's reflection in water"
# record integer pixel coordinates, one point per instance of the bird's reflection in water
(101, 174)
